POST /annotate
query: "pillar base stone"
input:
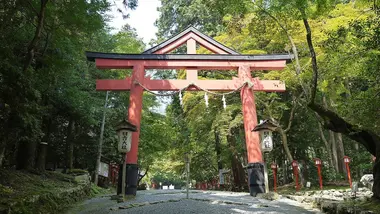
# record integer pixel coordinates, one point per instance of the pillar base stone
(256, 179)
(131, 179)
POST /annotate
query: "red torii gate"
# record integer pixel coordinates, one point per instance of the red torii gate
(223, 59)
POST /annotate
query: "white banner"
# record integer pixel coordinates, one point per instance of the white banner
(103, 169)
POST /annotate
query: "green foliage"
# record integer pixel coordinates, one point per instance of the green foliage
(23, 192)
(57, 89)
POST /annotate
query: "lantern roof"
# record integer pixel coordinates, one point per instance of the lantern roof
(266, 125)
(125, 124)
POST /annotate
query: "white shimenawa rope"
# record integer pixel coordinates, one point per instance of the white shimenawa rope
(250, 84)
(206, 99)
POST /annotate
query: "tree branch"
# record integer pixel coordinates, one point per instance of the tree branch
(313, 57)
(335, 123)
(293, 45)
(37, 35)
(142, 176)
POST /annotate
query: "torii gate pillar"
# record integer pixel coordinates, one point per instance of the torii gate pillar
(256, 179)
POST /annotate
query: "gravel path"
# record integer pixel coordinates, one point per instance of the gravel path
(173, 201)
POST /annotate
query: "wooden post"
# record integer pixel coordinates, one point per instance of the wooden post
(274, 168)
(191, 74)
(347, 160)
(124, 176)
(266, 176)
(295, 172)
(187, 160)
(320, 177)
(318, 163)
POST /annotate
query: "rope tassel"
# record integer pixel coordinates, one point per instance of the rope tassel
(206, 99)
(180, 97)
(224, 102)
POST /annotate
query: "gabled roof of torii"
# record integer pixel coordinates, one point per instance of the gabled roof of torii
(160, 51)
(194, 34)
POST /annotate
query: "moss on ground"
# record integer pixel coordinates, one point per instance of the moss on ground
(290, 189)
(372, 205)
(33, 192)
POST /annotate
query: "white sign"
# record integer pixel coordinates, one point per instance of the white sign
(125, 139)
(103, 169)
(221, 177)
(164, 187)
(171, 186)
(308, 184)
(267, 142)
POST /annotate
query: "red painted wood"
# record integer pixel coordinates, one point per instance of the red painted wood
(185, 38)
(320, 176)
(295, 173)
(175, 85)
(252, 139)
(191, 74)
(191, 64)
(134, 111)
(275, 180)
(348, 174)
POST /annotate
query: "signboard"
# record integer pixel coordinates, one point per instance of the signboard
(308, 184)
(346, 159)
(267, 142)
(125, 139)
(221, 177)
(103, 169)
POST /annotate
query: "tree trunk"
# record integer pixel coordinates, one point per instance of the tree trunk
(340, 151)
(286, 174)
(327, 144)
(359, 172)
(70, 144)
(218, 150)
(100, 142)
(37, 35)
(284, 139)
(334, 151)
(236, 166)
(26, 155)
(2, 153)
(376, 172)
(41, 160)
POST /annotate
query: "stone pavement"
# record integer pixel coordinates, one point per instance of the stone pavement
(174, 201)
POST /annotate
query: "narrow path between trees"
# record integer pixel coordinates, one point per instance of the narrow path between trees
(174, 201)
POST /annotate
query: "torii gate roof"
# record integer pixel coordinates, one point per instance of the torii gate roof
(159, 52)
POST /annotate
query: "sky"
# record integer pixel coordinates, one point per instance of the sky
(142, 18)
